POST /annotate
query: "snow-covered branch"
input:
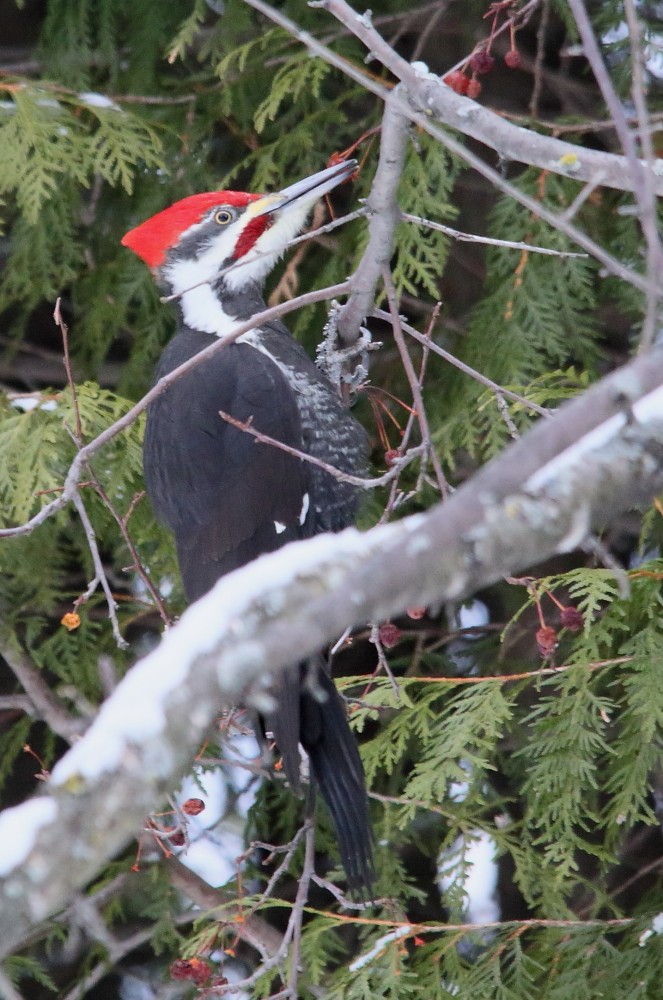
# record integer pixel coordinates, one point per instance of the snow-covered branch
(597, 457)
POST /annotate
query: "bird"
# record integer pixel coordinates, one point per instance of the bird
(228, 498)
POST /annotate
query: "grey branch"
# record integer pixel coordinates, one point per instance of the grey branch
(424, 99)
(510, 142)
(597, 457)
(44, 704)
(383, 216)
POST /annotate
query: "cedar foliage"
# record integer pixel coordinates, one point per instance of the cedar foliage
(560, 770)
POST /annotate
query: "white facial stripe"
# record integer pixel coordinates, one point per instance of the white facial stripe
(203, 311)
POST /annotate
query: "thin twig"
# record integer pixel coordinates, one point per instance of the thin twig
(343, 477)
(415, 388)
(100, 573)
(297, 915)
(506, 416)
(383, 662)
(488, 240)
(425, 354)
(137, 565)
(467, 369)
(64, 330)
(539, 59)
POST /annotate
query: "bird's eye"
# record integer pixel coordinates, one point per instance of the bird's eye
(223, 216)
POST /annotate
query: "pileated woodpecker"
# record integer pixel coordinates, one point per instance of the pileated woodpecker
(227, 498)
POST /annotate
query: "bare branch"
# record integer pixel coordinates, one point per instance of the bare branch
(456, 234)
(100, 573)
(413, 381)
(429, 97)
(383, 217)
(644, 175)
(247, 926)
(509, 141)
(499, 390)
(600, 455)
(45, 704)
(343, 477)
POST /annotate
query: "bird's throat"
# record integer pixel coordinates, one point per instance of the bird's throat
(213, 306)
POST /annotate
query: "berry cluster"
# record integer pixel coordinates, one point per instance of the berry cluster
(466, 80)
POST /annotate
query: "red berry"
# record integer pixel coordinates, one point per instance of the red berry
(416, 613)
(512, 59)
(392, 455)
(200, 971)
(193, 806)
(389, 635)
(572, 619)
(457, 81)
(482, 62)
(191, 968)
(546, 641)
(179, 969)
(177, 839)
(473, 88)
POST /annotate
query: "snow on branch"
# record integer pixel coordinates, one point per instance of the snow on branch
(597, 457)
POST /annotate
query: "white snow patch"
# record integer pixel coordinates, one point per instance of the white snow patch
(478, 853)
(422, 71)
(305, 506)
(656, 928)
(473, 615)
(94, 100)
(647, 408)
(28, 403)
(19, 828)
(214, 858)
(25, 403)
(379, 946)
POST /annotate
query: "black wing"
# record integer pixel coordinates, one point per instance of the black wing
(227, 497)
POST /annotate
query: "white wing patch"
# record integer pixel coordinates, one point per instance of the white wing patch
(304, 510)
(279, 527)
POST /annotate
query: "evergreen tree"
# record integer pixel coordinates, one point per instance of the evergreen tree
(529, 736)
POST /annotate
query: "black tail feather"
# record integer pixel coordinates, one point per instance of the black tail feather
(337, 769)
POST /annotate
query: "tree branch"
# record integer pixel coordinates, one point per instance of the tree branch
(46, 705)
(428, 97)
(383, 217)
(599, 456)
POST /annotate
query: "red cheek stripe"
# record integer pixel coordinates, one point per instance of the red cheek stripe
(252, 232)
